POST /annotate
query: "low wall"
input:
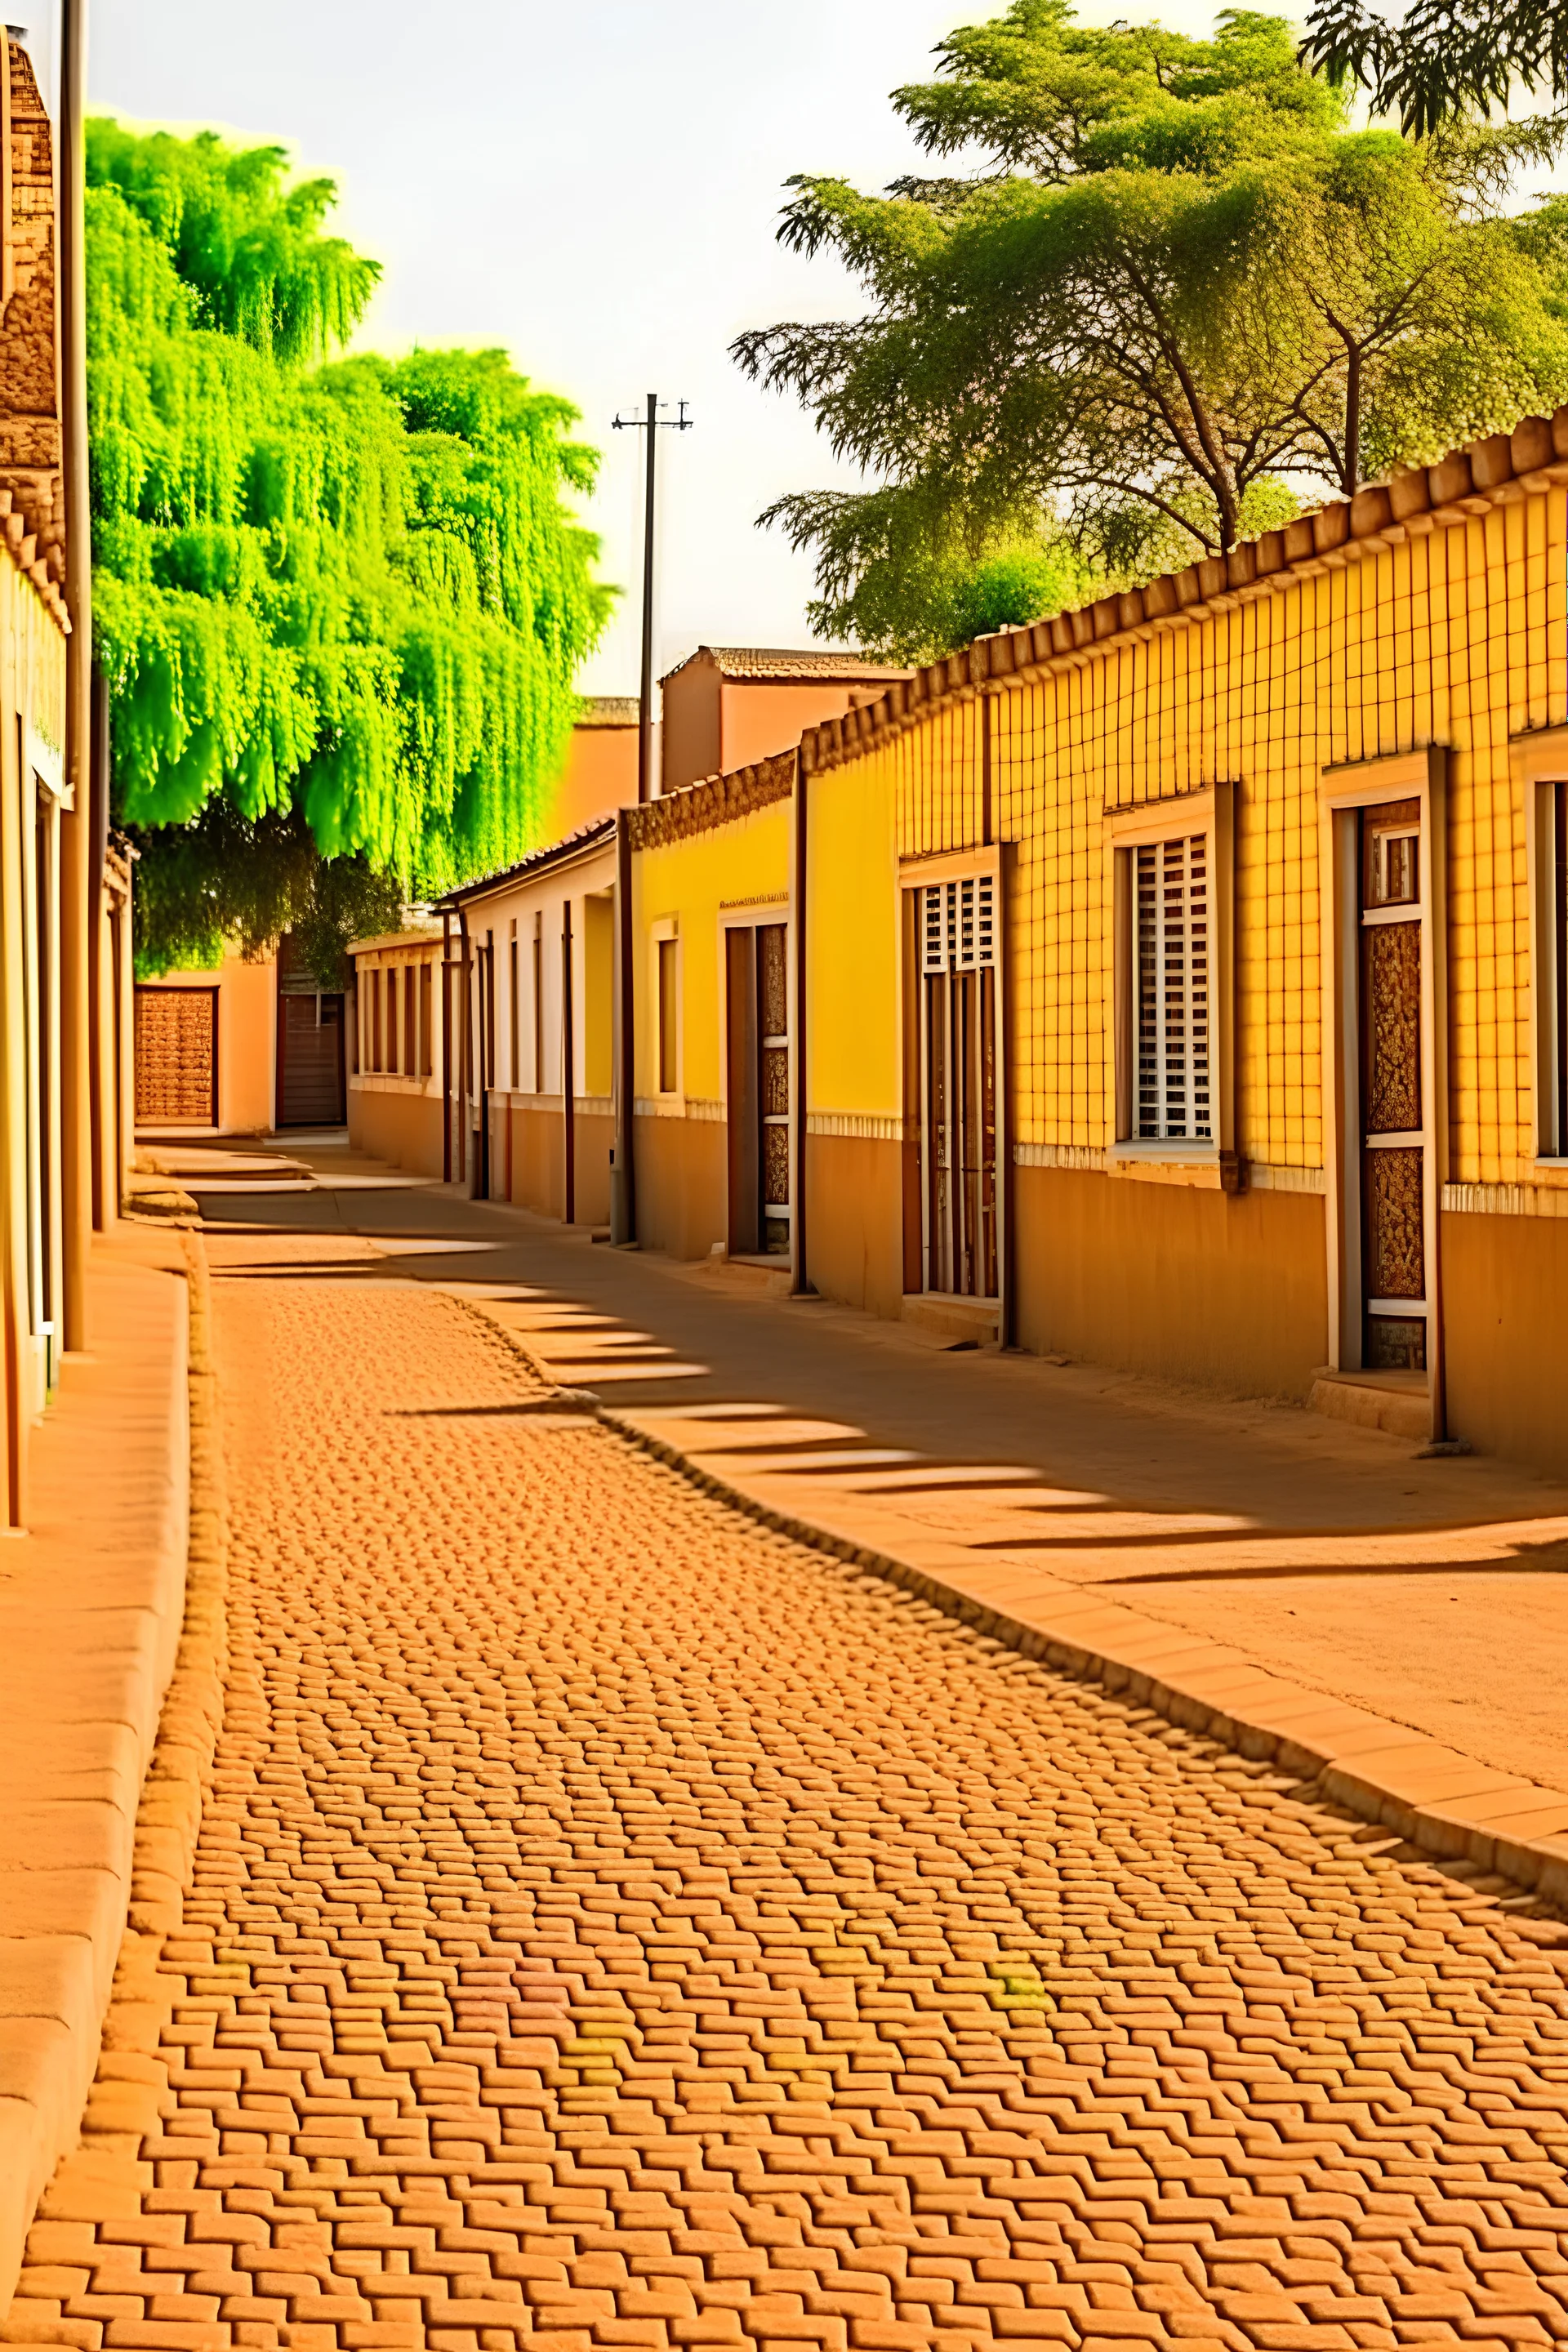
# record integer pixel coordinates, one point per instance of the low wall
(595, 1139)
(682, 1184)
(90, 1612)
(855, 1221)
(1505, 1308)
(1229, 1289)
(404, 1128)
(528, 1159)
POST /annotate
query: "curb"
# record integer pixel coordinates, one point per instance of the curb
(1446, 1803)
(1369, 1771)
(101, 2179)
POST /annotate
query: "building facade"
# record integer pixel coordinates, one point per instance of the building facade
(726, 707)
(1180, 984)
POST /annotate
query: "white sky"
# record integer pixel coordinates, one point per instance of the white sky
(596, 188)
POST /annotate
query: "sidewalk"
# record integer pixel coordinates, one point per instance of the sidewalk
(1428, 1595)
(91, 1598)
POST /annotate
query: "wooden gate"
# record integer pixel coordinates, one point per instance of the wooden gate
(176, 1057)
(1393, 1141)
(310, 1075)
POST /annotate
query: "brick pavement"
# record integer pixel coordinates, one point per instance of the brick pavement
(615, 1925)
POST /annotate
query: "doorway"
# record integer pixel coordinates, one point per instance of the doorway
(758, 1074)
(1392, 1122)
(961, 1087)
(311, 1062)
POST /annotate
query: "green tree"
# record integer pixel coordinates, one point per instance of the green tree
(1445, 59)
(1173, 294)
(346, 599)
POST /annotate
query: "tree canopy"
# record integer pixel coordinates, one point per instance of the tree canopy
(1444, 59)
(346, 598)
(1173, 294)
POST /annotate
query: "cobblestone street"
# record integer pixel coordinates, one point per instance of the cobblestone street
(616, 1924)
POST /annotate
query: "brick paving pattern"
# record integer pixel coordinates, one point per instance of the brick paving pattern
(616, 1925)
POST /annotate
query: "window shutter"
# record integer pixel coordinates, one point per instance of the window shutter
(1172, 983)
(958, 924)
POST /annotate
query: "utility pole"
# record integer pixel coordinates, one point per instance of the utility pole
(77, 916)
(651, 422)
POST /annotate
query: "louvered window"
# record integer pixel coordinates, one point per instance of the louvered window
(1171, 991)
(959, 924)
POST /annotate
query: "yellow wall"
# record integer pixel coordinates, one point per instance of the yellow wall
(1451, 633)
(852, 1042)
(732, 868)
(246, 1038)
(737, 866)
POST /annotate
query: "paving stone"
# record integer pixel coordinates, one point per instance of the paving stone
(612, 1925)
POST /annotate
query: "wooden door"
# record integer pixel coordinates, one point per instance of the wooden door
(772, 1085)
(758, 1112)
(960, 1088)
(310, 1057)
(176, 1057)
(744, 1125)
(1393, 1115)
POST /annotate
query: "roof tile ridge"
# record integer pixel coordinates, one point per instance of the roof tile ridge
(1469, 479)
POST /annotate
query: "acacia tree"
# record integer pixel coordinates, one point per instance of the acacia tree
(1444, 59)
(1174, 291)
(340, 604)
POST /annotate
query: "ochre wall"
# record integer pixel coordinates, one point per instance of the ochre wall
(690, 734)
(394, 1121)
(1168, 1278)
(713, 724)
(595, 1139)
(534, 1176)
(855, 1221)
(682, 1183)
(1505, 1308)
(757, 719)
(601, 774)
(246, 1039)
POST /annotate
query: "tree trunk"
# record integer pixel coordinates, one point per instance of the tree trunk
(1351, 481)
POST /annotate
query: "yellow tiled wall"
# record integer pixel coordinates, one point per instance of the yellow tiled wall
(1455, 635)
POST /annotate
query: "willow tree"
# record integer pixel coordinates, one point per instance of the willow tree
(340, 603)
(1163, 293)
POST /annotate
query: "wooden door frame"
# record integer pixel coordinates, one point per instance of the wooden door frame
(760, 915)
(1342, 794)
(916, 873)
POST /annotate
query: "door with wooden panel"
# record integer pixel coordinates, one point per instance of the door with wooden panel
(758, 1087)
(1393, 1113)
(176, 1057)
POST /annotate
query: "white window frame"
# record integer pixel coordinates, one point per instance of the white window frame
(1179, 816)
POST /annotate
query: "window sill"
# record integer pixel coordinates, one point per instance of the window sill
(1197, 1165)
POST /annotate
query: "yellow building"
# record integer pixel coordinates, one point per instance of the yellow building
(1184, 979)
